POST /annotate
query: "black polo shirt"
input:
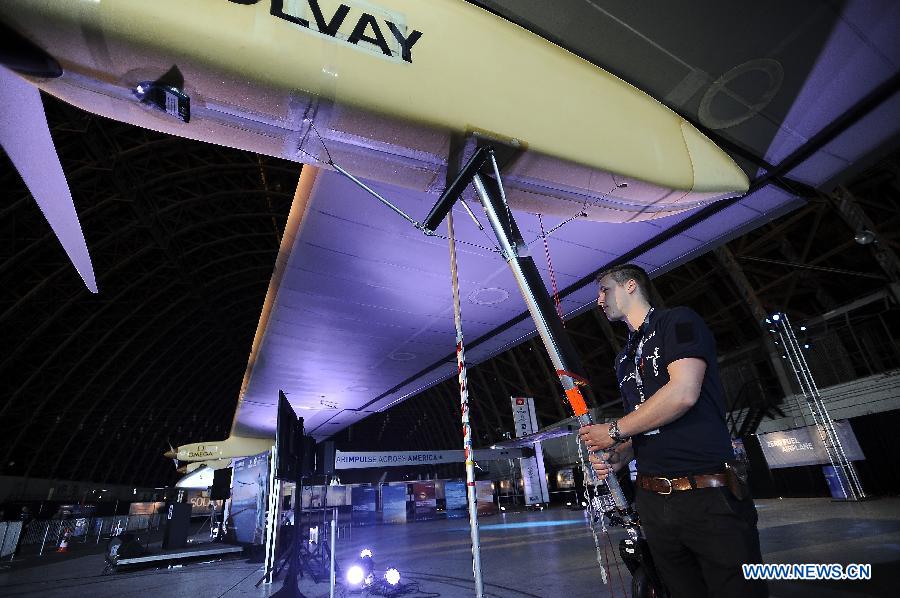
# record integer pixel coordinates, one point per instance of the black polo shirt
(698, 441)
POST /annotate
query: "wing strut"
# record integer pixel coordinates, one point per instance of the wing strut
(563, 355)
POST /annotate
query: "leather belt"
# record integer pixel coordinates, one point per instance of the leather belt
(667, 485)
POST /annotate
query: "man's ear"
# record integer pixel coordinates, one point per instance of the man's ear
(630, 286)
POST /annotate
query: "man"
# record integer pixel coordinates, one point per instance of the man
(698, 530)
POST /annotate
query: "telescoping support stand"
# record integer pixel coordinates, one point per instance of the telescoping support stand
(562, 353)
(513, 249)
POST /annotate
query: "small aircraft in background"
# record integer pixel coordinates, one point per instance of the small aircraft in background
(199, 460)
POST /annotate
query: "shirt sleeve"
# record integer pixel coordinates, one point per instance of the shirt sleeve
(685, 334)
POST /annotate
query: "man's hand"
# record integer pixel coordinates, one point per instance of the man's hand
(596, 437)
(605, 462)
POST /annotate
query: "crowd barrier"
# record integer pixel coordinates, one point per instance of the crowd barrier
(85, 529)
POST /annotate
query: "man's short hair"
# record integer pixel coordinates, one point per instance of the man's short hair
(625, 272)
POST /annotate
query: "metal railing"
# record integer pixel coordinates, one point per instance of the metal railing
(83, 530)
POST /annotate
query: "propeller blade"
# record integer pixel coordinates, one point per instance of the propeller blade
(172, 454)
(25, 137)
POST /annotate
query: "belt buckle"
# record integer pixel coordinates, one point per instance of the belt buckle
(669, 482)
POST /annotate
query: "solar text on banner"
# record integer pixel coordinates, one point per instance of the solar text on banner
(533, 474)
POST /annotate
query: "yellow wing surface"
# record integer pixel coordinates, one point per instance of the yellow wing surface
(386, 86)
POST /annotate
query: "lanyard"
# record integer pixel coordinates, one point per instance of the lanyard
(639, 382)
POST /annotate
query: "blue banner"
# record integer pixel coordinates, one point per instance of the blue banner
(248, 498)
(363, 499)
(393, 504)
(455, 495)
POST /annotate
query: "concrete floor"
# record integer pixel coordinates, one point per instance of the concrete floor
(545, 554)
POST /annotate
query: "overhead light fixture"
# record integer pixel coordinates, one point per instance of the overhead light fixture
(864, 236)
(402, 356)
(488, 296)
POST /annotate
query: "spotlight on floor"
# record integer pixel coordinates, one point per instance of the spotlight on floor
(361, 571)
(392, 576)
(355, 575)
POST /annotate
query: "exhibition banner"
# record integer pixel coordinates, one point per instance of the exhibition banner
(533, 474)
(363, 510)
(357, 460)
(81, 527)
(565, 478)
(9, 532)
(484, 497)
(455, 496)
(313, 497)
(426, 500)
(803, 446)
(250, 481)
(146, 508)
(201, 504)
(393, 503)
(316, 497)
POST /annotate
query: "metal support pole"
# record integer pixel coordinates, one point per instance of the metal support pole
(44, 541)
(272, 521)
(333, 534)
(464, 409)
(834, 449)
(549, 327)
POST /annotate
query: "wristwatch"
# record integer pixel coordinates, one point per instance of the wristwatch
(614, 431)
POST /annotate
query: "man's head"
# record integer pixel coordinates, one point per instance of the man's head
(622, 288)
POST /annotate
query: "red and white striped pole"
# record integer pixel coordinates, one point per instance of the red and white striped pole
(464, 408)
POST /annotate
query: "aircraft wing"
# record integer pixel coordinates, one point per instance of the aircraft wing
(359, 314)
